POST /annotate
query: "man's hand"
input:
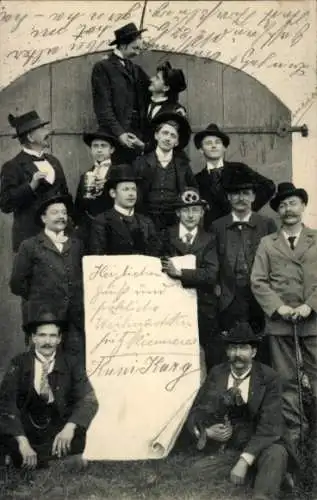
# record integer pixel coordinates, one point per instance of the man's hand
(302, 311)
(169, 268)
(219, 432)
(286, 312)
(63, 439)
(36, 179)
(239, 472)
(130, 140)
(29, 456)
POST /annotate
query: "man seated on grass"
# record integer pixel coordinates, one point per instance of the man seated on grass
(46, 400)
(254, 426)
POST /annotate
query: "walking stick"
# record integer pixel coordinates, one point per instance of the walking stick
(299, 370)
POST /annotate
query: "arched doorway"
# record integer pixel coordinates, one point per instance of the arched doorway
(61, 92)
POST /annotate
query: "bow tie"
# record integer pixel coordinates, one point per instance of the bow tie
(37, 158)
(240, 224)
(128, 218)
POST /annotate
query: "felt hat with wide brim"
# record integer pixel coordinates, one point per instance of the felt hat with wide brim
(56, 198)
(214, 130)
(122, 173)
(26, 123)
(236, 176)
(88, 137)
(285, 190)
(241, 333)
(38, 316)
(184, 130)
(126, 34)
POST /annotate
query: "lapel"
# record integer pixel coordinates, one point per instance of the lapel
(47, 243)
(119, 226)
(120, 67)
(281, 246)
(60, 367)
(231, 241)
(256, 388)
(200, 241)
(26, 163)
(305, 241)
(176, 241)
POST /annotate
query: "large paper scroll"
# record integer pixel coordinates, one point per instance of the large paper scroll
(142, 356)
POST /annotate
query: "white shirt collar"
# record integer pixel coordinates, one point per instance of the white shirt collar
(244, 375)
(118, 53)
(124, 211)
(158, 100)
(32, 152)
(296, 235)
(44, 359)
(52, 235)
(235, 218)
(215, 165)
(183, 231)
(163, 156)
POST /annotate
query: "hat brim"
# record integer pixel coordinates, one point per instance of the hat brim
(301, 193)
(128, 39)
(184, 131)
(198, 138)
(238, 187)
(235, 340)
(67, 200)
(111, 183)
(201, 203)
(29, 327)
(39, 125)
(88, 137)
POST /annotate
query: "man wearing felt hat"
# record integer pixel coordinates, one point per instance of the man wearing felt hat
(254, 425)
(212, 142)
(165, 88)
(188, 237)
(92, 197)
(48, 269)
(121, 230)
(46, 400)
(120, 92)
(284, 282)
(29, 176)
(165, 170)
(238, 235)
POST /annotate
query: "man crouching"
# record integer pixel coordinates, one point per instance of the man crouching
(254, 426)
(46, 400)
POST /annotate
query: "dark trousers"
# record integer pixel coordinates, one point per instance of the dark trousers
(270, 468)
(210, 340)
(284, 362)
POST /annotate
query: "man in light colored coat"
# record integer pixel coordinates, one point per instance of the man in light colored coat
(284, 282)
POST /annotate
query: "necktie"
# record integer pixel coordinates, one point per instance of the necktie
(291, 240)
(44, 384)
(188, 238)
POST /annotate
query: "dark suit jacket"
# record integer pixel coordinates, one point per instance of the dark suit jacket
(204, 277)
(116, 92)
(211, 189)
(264, 403)
(41, 274)
(144, 167)
(227, 247)
(74, 397)
(18, 197)
(110, 235)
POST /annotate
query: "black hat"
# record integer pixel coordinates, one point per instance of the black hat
(241, 333)
(121, 173)
(174, 78)
(285, 190)
(42, 315)
(190, 197)
(238, 176)
(212, 129)
(49, 200)
(25, 123)
(184, 130)
(88, 137)
(126, 34)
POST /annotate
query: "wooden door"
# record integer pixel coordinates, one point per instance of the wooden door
(61, 92)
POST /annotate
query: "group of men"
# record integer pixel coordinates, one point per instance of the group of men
(141, 197)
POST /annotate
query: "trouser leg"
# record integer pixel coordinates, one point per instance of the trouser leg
(284, 362)
(271, 467)
(309, 353)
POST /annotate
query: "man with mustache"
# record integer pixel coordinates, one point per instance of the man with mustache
(30, 176)
(46, 400)
(237, 237)
(48, 269)
(254, 425)
(284, 282)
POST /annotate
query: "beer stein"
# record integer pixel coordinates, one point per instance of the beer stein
(89, 185)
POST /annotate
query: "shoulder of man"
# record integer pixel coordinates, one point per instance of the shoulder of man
(268, 374)
(19, 158)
